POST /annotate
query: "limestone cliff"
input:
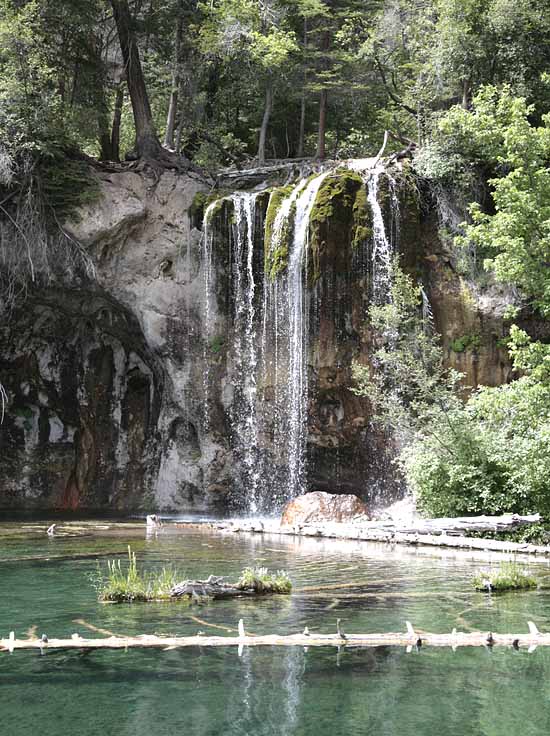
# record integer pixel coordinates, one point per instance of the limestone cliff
(120, 399)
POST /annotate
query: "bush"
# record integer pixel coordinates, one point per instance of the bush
(492, 456)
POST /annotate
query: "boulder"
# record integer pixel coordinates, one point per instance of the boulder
(318, 506)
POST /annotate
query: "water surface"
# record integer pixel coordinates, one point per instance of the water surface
(46, 587)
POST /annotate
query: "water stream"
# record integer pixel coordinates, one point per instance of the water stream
(245, 354)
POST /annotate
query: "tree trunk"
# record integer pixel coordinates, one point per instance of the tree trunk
(104, 136)
(265, 120)
(466, 94)
(322, 125)
(302, 133)
(117, 116)
(147, 142)
(321, 152)
(173, 106)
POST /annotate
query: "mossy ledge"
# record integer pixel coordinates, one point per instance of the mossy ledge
(201, 202)
(276, 254)
(340, 217)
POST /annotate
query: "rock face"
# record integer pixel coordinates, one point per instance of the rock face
(322, 507)
(126, 392)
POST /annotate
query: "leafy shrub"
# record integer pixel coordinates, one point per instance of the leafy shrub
(491, 456)
(487, 454)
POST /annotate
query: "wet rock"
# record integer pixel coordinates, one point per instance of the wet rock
(320, 506)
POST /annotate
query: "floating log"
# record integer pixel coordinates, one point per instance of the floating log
(430, 532)
(410, 638)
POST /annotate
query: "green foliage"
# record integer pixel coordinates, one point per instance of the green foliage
(493, 456)
(128, 585)
(465, 342)
(261, 580)
(216, 345)
(489, 454)
(66, 184)
(517, 235)
(508, 576)
(410, 388)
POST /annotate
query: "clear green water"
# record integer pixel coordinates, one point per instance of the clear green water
(45, 583)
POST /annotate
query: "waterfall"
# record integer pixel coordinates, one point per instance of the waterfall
(298, 333)
(427, 314)
(245, 413)
(207, 242)
(267, 391)
(382, 246)
(285, 336)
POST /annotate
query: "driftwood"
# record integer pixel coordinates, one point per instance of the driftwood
(462, 525)
(213, 587)
(409, 639)
(430, 532)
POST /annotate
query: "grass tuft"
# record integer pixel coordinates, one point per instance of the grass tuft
(261, 580)
(509, 576)
(128, 584)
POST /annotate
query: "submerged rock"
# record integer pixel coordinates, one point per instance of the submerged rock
(321, 506)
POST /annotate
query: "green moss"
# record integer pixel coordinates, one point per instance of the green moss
(201, 202)
(362, 219)
(340, 213)
(465, 342)
(217, 344)
(276, 254)
(509, 576)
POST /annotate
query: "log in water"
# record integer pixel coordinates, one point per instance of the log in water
(443, 532)
(410, 638)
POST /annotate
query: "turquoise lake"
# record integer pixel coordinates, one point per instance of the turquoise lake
(46, 588)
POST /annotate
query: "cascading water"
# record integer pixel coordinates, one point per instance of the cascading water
(207, 242)
(382, 250)
(267, 357)
(286, 325)
(245, 356)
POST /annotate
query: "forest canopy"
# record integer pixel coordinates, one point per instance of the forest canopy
(228, 80)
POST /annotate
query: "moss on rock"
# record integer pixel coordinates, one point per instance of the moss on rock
(276, 253)
(362, 219)
(340, 217)
(201, 202)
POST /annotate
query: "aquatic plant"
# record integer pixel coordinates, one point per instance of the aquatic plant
(508, 576)
(261, 580)
(128, 584)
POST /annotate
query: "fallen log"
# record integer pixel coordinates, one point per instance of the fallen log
(409, 639)
(213, 587)
(430, 532)
(460, 525)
